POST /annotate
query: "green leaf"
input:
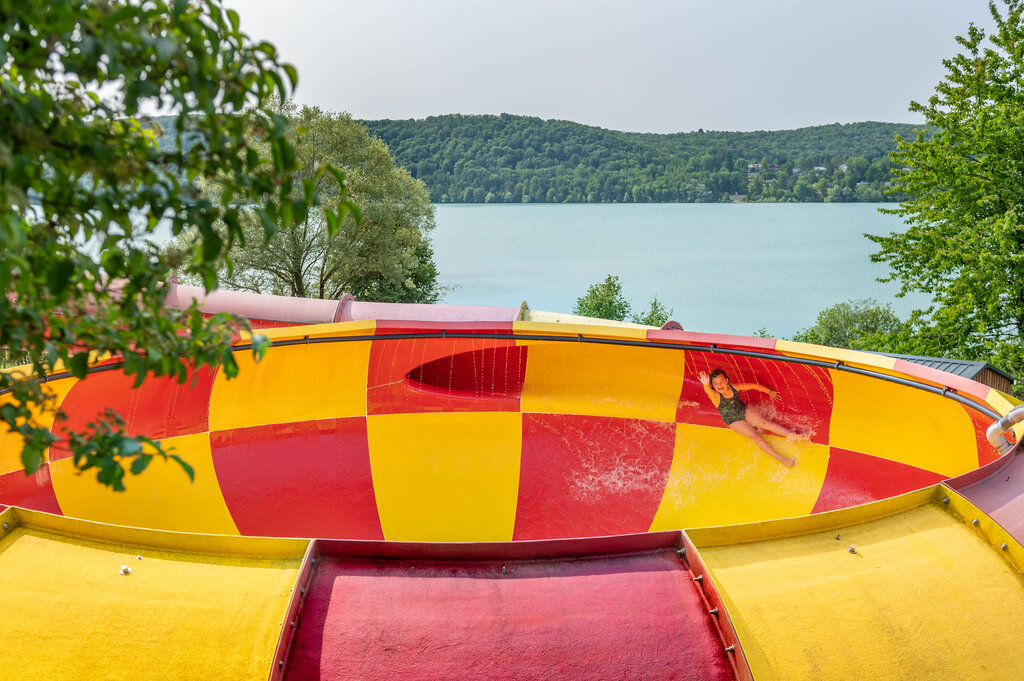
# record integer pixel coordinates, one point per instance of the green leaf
(293, 75)
(235, 230)
(209, 277)
(130, 446)
(78, 364)
(267, 49)
(111, 473)
(338, 175)
(309, 192)
(286, 214)
(58, 275)
(333, 223)
(300, 209)
(32, 457)
(349, 208)
(278, 82)
(141, 463)
(228, 363)
(269, 226)
(189, 471)
(260, 344)
(212, 245)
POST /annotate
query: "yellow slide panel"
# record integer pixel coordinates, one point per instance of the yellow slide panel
(599, 380)
(11, 443)
(360, 327)
(69, 614)
(446, 477)
(902, 424)
(292, 383)
(923, 597)
(161, 498)
(590, 328)
(867, 359)
(720, 477)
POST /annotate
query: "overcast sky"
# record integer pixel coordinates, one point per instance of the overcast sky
(647, 65)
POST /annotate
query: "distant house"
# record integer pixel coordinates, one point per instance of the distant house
(820, 168)
(797, 171)
(982, 372)
(737, 198)
(754, 168)
(773, 166)
(843, 167)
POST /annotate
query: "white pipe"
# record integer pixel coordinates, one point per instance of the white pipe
(996, 430)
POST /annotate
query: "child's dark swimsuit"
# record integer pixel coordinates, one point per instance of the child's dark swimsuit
(732, 409)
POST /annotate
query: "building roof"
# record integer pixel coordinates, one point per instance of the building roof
(958, 367)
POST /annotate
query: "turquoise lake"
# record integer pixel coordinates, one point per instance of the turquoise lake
(725, 268)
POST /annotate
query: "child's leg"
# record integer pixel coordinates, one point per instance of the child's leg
(755, 418)
(747, 430)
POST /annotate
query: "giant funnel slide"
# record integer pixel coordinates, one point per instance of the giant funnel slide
(477, 497)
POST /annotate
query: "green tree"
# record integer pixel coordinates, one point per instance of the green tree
(385, 255)
(965, 242)
(858, 166)
(604, 301)
(83, 184)
(421, 286)
(804, 191)
(839, 194)
(656, 314)
(855, 324)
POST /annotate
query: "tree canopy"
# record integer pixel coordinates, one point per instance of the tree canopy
(605, 300)
(514, 159)
(965, 241)
(854, 324)
(384, 256)
(83, 184)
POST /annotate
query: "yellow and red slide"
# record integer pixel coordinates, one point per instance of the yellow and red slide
(522, 500)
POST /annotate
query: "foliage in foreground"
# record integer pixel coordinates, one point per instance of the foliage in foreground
(605, 300)
(83, 184)
(965, 241)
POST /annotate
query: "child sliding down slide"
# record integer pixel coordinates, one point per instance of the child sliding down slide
(741, 417)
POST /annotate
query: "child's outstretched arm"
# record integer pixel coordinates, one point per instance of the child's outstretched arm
(772, 394)
(706, 382)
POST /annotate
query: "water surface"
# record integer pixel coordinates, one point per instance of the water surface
(727, 268)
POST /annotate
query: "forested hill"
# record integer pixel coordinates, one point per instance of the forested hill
(517, 159)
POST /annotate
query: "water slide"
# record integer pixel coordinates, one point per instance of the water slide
(447, 492)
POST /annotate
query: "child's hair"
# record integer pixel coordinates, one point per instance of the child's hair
(715, 374)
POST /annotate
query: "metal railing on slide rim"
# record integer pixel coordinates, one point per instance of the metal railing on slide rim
(946, 391)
